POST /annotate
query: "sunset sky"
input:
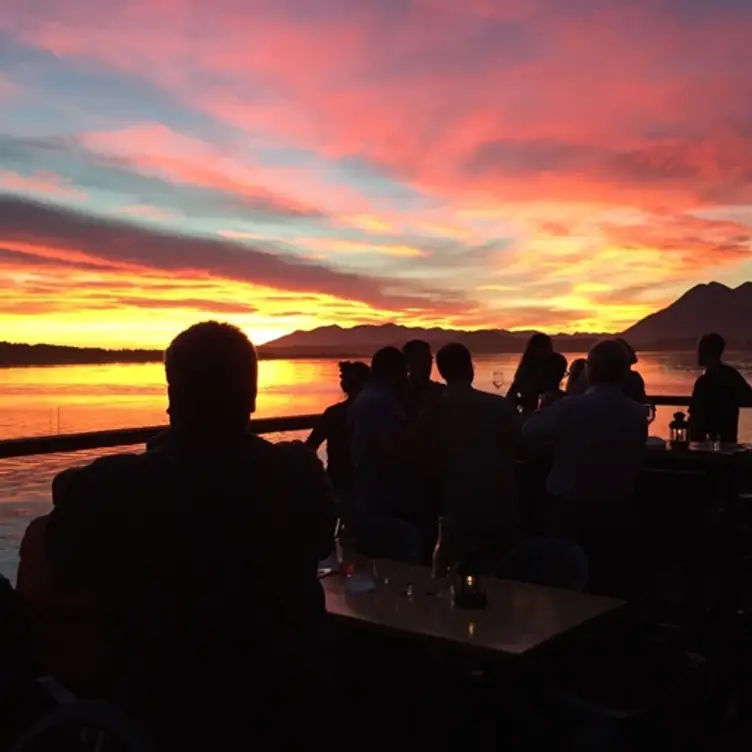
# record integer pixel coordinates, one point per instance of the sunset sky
(285, 164)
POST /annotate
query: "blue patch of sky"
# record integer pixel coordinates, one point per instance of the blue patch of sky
(376, 184)
(64, 96)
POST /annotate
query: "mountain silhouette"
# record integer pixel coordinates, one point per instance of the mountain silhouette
(710, 307)
(363, 341)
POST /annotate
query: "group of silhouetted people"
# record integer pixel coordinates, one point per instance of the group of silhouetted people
(171, 580)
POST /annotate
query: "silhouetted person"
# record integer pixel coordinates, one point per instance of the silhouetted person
(420, 390)
(333, 429)
(526, 387)
(718, 394)
(577, 382)
(597, 441)
(472, 438)
(634, 384)
(380, 451)
(553, 372)
(202, 557)
(63, 622)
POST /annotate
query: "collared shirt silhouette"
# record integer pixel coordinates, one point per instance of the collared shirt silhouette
(202, 554)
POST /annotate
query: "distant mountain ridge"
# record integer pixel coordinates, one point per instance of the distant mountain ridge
(361, 341)
(710, 307)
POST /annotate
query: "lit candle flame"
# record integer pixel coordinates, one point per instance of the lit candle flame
(470, 580)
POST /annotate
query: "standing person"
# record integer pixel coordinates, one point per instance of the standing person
(598, 443)
(201, 557)
(333, 429)
(717, 395)
(526, 387)
(471, 441)
(553, 373)
(421, 389)
(634, 384)
(381, 455)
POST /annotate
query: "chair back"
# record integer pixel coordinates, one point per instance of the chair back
(84, 725)
(547, 560)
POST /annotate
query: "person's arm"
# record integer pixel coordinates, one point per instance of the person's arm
(743, 391)
(543, 425)
(640, 394)
(320, 432)
(697, 411)
(312, 486)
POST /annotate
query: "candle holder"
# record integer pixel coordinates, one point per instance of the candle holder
(679, 432)
(468, 589)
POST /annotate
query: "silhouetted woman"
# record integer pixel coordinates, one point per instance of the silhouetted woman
(553, 372)
(577, 382)
(526, 388)
(332, 428)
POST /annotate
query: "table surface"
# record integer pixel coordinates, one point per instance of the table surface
(519, 617)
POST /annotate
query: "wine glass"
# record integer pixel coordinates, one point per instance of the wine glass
(498, 379)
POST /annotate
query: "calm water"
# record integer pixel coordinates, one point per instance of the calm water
(68, 399)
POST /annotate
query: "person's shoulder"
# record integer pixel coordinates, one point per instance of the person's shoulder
(336, 411)
(493, 401)
(732, 372)
(106, 475)
(295, 455)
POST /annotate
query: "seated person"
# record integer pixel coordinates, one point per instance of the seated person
(202, 557)
(552, 374)
(333, 429)
(471, 439)
(63, 622)
(597, 441)
(717, 395)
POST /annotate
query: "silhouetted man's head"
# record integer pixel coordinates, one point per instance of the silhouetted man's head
(455, 364)
(212, 378)
(388, 367)
(629, 350)
(607, 364)
(710, 349)
(353, 376)
(419, 360)
(553, 372)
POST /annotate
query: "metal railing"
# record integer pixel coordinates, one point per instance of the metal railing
(75, 442)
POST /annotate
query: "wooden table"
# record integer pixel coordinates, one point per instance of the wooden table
(519, 619)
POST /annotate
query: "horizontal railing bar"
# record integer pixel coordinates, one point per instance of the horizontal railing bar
(76, 442)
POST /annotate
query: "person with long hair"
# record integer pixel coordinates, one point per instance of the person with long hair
(526, 388)
(577, 383)
(553, 372)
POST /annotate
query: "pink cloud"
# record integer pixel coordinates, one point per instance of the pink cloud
(41, 182)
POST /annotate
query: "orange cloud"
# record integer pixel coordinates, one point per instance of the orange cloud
(525, 155)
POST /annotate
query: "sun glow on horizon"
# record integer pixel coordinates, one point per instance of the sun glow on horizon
(450, 179)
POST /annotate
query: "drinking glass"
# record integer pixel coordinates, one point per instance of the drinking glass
(498, 379)
(714, 441)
